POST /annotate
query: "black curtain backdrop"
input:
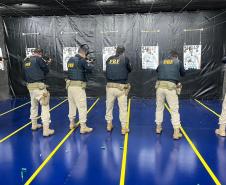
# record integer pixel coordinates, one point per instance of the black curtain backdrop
(204, 83)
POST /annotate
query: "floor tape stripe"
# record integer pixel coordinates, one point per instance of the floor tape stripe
(39, 169)
(11, 110)
(202, 160)
(125, 149)
(209, 109)
(29, 123)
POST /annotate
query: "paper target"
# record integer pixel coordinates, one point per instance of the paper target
(108, 52)
(68, 52)
(150, 57)
(192, 56)
(29, 51)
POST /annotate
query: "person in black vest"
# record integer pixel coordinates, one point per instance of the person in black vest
(36, 69)
(78, 67)
(117, 69)
(167, 87)
(222, 120)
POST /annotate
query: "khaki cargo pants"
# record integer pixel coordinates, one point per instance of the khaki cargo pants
(169, 94)
(39, 95)
(111, 95)
(222, 119)
(77, 100)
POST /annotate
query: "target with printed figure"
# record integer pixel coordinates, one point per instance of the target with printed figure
(150, 57)
(29, 51)
(68, 52)
(192, 56)
(108, 52)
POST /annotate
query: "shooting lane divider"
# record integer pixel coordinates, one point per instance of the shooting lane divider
(202, 160)
(209, 109)
(50, 156)
(125, 148)
(29, 123)
(11, 110)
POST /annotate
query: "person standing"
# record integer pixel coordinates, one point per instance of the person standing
(36, 69)
(221, 131)
(169, 72)
(117, 69)
(78, 67)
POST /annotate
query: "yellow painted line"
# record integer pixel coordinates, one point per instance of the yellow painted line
(11, 110)
(29, 123)
(50, 156)
(209, 109)
(202, 160)
(125, 149)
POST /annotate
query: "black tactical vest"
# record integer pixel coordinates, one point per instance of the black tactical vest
(169, 70)
(32, 70)
(75, 71)
(116, 68)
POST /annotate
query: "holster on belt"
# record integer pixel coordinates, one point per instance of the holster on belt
(36, 85)
(45, 98)
(166, 85)
(179, 88)
(75, 83)
(121, 87)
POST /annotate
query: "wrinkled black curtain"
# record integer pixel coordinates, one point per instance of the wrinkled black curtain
(204, 83)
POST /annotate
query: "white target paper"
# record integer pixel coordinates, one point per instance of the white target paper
(108, 52)
(192, 56)
(68, 52)
(1, 62)
(150, 57)
(29, 51)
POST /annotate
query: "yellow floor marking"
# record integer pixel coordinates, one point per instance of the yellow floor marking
(11, 110)
(125, 149)
(29, 123)
(39, 169)
(215, 179)
(218, 115)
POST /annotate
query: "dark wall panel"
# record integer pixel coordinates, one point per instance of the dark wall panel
(205, 83)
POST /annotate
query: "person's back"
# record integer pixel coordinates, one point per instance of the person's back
(170, 69)
(117, 69)
(169, 72)
(78, 67)
(36, 68)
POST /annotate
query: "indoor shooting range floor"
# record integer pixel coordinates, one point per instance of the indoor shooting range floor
(101, 158)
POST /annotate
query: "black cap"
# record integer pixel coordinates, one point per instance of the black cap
(84, 48)
(120, 50)
(173, 54)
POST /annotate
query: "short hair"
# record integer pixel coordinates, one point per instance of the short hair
(173, 54)
(84, 48)
(120, 50)
(38, 50)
